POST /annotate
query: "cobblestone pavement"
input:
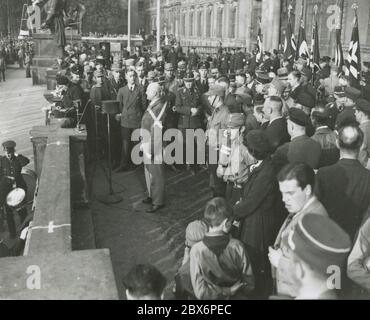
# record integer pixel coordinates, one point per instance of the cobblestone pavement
(134, 236)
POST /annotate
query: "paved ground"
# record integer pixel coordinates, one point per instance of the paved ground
(132, 235)
(20, 110)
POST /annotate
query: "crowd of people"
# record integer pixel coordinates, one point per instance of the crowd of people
(14, 51)
(290, 175)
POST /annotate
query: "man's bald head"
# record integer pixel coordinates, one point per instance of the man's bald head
(350, 138)
(273, 106)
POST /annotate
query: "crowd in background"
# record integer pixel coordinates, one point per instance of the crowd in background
(14, 51)
(291, 185)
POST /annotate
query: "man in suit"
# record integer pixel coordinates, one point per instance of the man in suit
(301, 148)
(152, 147)
(324, 136)
(276, 129)
(132, 100)
(344, 187)
(141, 79)
(296, 183)
(362, 113)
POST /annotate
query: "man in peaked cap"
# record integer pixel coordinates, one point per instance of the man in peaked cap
(202, 83)
(301, 149)
(11, 165)
(317, 245)
(362, 114)
(347, 112)
(188, 108)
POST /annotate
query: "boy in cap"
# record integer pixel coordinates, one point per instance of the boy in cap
(219, 265)
(318, 247)
(195, 232)
(11, 177)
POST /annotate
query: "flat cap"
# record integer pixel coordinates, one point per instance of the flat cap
(319, 242)
(363, 105)
(299, 117)
(9, 144)
(305, 99)
(257, 140)
(352, 93)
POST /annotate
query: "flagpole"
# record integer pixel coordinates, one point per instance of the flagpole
(129, 27)
(158, 25)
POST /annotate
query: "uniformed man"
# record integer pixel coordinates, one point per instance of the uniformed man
(11, 177)
(240, 60)
(224, 63)
(171, 85)
(301, 148)
(348, 102)
(267, 64)
(232, 58)
(202, 83)
(73, 100)
(189, 110)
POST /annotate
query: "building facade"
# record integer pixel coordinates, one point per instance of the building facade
(235, 23)
(205, 23)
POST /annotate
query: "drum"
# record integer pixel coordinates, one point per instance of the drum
(15, 198)
(30, 178)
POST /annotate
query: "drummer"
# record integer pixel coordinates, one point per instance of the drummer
(11, 177)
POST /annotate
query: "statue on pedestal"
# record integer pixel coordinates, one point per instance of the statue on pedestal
(61, 14)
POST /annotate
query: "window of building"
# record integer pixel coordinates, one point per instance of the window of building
(232, 23)
(209, 23)
(220, 14)
(200, 25)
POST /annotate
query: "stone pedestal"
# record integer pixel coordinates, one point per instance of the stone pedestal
(46, 55)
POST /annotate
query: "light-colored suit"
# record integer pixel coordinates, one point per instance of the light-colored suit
(282, 274)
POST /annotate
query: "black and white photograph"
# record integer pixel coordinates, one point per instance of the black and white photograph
(189, 151)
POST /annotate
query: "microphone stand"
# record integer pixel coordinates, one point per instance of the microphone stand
(109, 108)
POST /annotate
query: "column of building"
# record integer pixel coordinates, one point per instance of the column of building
(271, 23)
